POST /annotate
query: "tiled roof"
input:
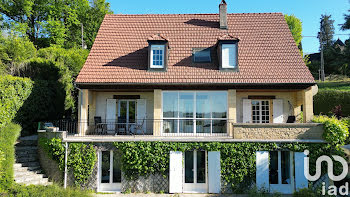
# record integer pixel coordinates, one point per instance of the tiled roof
(267, 51)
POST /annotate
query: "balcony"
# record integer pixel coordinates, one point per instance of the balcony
(284, 131)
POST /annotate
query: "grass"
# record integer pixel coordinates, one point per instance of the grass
(8, 137)
(335, 82)
(39, 191)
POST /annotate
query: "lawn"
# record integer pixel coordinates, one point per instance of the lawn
(334, 85)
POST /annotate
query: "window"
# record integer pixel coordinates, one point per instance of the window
(229, 55)
(280, 167)
(261, 111)
(157, 56)
(194, 112)
(201, 55)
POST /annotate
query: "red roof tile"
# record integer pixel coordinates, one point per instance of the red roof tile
(267, 51)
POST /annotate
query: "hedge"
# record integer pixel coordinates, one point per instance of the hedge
(13, 92)
(8, 137)
(326, 100)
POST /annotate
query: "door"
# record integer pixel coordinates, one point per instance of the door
(281, 172)
(126, 114)
(195, 172)
(111, 114)
(109, 171)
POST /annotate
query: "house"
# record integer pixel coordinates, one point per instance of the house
(223, 77)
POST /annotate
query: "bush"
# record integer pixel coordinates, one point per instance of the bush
(13, 92)
(304, 192)
(326, 100)
(8, 137)
(39, 191)
(335, 132)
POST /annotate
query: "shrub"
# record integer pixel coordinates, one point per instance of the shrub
(335, 132)
(326, 100)
(304, 192)
(13, 92)
(39, 191)
(8, 137)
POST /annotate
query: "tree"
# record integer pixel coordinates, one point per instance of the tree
(346, 25)
(326, 30)
(296, 28)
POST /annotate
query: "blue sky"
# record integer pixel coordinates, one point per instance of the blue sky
(309, 11)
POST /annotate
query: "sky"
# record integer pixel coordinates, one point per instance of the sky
(308, 11)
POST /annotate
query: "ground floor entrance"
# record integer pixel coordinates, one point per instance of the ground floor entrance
(109, 171)
(195, 172)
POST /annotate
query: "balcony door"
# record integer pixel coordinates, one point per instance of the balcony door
(126, 113)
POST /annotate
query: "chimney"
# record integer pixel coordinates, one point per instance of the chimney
(223, 14)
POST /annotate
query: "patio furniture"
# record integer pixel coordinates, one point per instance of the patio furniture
(100, 128)
(137, 127)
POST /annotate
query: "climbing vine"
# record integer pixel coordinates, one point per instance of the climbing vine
(81, 158)
(237, 159)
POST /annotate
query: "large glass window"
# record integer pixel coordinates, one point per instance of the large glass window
(279, 169)
(194, 112)
(261, 111)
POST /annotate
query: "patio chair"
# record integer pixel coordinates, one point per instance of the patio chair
(138, 127)
(99, 127)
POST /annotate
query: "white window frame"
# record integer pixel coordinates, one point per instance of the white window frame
(260, 111)
(232, 56)
(194, 118)
(162, 49)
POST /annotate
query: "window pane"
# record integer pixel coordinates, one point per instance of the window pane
(132, 111)
(170, 104)
(122, 117)
(219, 126)
(117, 173)
(186, 126)
(200, 167)
(170, 126)
(105, 175)
(188, 167)
(285, 167)
(203, 126)
(203, 105)
(273, 168)
(219, 104)
(186, 105)
(201, 55)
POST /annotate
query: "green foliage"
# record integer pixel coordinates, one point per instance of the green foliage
(326, 100)
(13, 92)
(334, 85)
(335, 131)
(304, 192)
(8, 137)
(81, 157)
(326, 29)
(296, 28)
(238, 166)
(39, 191)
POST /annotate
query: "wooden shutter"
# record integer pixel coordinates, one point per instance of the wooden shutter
(247, 111)
(300, 179)
(278, 111)
(141, 112)
(175, 172)
(111, 111)
(262, 170)
(214, 172)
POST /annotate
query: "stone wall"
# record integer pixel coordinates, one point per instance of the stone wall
(309, 131)
(154, 183)
(50, 167)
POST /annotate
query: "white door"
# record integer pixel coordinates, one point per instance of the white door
(141, 116)
(126, 114)
(175, 172)
(281, 172)
(195, 172)
(109, 169)
(110, 114)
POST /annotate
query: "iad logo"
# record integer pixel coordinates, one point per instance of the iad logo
(332, 190)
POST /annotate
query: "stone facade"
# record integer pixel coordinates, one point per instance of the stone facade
(154, 183)
(50, 167)
(309, 131)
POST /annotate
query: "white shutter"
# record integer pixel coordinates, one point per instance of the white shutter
(228, 55)
(262, 170)
(111, 111)
(277, 111)
(141, 113)
(300, 179)
(175, 172)
(247, 111)
(214, 172)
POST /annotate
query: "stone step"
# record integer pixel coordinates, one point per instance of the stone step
(33, 181)
(20, 168)
(26, 159)
(26, 148)
(31, 164)
(28, 175)
(27, 143)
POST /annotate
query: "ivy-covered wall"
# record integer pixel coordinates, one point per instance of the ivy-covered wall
(141, 159)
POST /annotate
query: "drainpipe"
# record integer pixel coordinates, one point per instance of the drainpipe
(65, 166)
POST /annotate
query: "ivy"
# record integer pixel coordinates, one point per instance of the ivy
(336, 131)
(237, 159)
(81, 158)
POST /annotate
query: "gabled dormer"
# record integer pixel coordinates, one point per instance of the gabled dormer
(228, 52)
(157, 53)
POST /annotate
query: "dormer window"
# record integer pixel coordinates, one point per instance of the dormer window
(201, 55)
(157, 53)
(157, 56)
(228, 53)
